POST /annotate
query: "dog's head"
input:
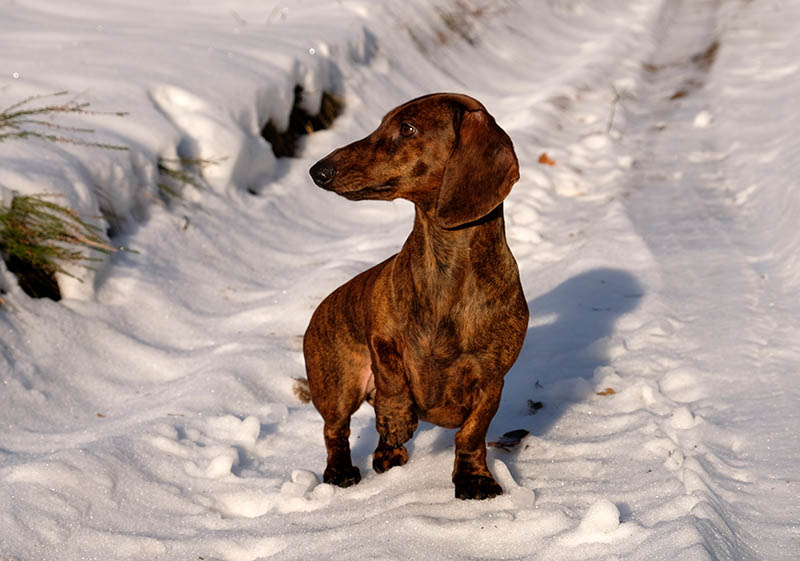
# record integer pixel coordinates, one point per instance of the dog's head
(443, 152)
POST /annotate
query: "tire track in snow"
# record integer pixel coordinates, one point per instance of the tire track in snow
(709, 285)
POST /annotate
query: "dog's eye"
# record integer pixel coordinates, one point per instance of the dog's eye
(407, 130)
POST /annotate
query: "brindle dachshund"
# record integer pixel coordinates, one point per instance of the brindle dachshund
(430, 332)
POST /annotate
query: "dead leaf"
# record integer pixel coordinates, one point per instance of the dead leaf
(607, 391)
(509, 439)
(101, 415)
(546, 160)
(534, 406)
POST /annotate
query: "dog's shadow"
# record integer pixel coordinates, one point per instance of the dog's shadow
(569, 339)
(571, 330)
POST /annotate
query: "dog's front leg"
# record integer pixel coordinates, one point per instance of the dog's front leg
(471, 475)
(394, 409)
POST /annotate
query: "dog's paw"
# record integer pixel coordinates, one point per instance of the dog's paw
(341, 476)
(386, 458)
(469, 486)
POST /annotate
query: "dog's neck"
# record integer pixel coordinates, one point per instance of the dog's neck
(450, 252)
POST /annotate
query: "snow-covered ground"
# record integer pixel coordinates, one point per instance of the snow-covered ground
(150, 413)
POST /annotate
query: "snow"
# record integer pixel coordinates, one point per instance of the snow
(150, 413)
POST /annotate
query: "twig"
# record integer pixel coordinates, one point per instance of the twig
(613, 114)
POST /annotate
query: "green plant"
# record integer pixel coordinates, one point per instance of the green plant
(38, 237)
(22, 120)
(175, 173)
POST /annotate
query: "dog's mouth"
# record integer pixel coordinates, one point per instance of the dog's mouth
(378, 191)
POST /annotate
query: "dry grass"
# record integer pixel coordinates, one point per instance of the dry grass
(27, 120)
(39, 237)
(176, 173)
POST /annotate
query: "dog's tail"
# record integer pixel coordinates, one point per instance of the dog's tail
(301, 390)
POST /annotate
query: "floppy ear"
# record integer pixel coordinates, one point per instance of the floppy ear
(480, 172)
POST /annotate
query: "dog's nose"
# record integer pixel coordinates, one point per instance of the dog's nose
(322, 173)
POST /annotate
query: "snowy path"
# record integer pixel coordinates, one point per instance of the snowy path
(679, 207)
(723, 312)
(156, 420)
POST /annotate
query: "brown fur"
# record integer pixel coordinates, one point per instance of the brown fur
(430, 332)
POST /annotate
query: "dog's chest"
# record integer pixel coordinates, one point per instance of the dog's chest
(444, 365)
(449, 319)
(444, 328)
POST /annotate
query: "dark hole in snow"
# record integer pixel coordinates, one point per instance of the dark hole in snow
(284, 143)
(35, 282)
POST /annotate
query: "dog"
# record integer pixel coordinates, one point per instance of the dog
(430, 332)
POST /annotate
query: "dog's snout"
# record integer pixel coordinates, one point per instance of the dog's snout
(322, 173)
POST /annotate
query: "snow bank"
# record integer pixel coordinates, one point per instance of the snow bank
(196, 83)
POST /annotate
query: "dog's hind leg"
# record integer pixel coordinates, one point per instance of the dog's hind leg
(335, 367)
(336, 412)
(340, 470)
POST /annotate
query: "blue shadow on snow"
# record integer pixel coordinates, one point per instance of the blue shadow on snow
(571, 329)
